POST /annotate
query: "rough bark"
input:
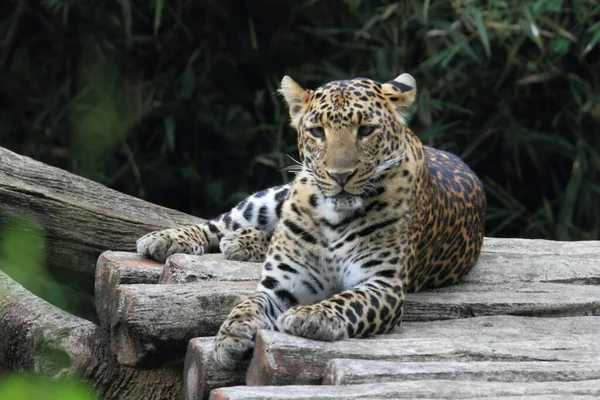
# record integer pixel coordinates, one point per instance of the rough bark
(152, 324)
(36, 336)
(281, 359)
(80, 218)
(183, 268)
(115, 268)
(201, 374)
(429, 389)
(341, 371)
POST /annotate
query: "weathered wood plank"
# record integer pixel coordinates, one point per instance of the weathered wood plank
(201, 374)
(430, 389)
(183, 268)
(36, 336)
(115, 268)
(534, 247)
(281, 359)
(528, 299)
(498, 326)
(526, 260)
(342, 371)
(152, 324)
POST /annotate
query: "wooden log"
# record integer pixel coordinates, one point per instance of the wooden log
(115, 268)
(528, 299)
(341, 371)
(138, 337)
(184, 268)
(80, 218)
(497, 327)
(201, 374)
(526, 260)
(152, 324)
(281, 359)
(429, 389)
(36, 336)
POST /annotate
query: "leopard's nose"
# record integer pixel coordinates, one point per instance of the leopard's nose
(341, 177)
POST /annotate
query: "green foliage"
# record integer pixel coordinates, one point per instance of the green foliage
(22, 258)
(175, 101)
(30, 386)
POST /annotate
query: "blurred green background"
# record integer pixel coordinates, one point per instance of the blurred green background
(174, 101)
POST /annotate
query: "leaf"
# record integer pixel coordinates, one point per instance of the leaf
(482, 31)
(158, 10)
(169, 123)
(532, 28)
(594, 40)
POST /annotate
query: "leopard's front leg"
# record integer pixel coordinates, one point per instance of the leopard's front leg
(283, 285)
(373, 307)
(242, 232)
(235, 338)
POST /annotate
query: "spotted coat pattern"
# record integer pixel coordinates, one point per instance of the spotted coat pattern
(371, 215)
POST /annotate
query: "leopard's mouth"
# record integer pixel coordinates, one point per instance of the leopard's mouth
(344, 201)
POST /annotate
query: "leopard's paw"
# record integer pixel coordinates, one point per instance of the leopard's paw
(235, 340)
(313, 322)
(161, 244)
(245, 244)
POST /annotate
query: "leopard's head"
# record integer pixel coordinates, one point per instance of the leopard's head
(350, 133)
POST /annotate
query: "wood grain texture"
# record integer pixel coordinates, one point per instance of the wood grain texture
(201, 374)
(152, 324)
(114, 268)
(281, 359)
(184, 268)
(36, 336)
(80, 218)
(428, 389)
(342, 371)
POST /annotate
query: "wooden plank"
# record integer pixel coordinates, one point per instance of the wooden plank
(430, 389)
(526, 260)
(152, 324)
(342, 371)
(281, 359)
(117, 267)
(535, 247)
(40, 338)
(527, 299)
(498, 326)
(184, 268)
(201, 374)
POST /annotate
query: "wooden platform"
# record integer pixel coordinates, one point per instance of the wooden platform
(523, 324)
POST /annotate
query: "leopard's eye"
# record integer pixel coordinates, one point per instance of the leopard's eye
(317, 132)
(365, 130)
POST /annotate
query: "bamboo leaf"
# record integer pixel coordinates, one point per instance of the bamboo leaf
(158, 10)
(482, 31)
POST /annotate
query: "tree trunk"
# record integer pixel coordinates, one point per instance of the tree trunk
(80, 218)
(36, 336)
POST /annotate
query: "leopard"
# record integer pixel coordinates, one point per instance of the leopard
(372, 214)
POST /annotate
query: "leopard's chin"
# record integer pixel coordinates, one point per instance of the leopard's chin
(344, 202)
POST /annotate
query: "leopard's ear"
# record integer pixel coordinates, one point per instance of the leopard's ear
(402, 92)
(295, 96)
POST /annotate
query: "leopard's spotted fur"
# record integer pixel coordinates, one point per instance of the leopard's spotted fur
(371, 215)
